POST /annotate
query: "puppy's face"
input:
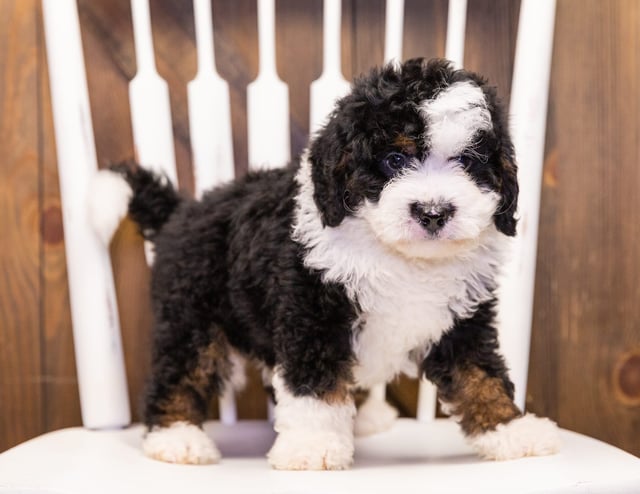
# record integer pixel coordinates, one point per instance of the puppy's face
(422, 154)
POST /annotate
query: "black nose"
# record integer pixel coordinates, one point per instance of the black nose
(432, 216)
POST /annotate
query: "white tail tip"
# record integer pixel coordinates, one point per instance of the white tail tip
(107, 203)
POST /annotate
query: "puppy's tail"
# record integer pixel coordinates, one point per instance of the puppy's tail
(150, 199)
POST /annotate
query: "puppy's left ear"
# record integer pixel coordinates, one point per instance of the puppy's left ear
(329, 164)
(505, 216)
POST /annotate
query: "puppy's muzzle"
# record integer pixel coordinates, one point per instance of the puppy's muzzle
(431, 216)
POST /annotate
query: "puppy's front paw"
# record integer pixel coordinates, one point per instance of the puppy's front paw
(374, 416)
(300, 451)
(181, 442)
(524, 436)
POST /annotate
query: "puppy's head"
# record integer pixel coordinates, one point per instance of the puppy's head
(422, 153)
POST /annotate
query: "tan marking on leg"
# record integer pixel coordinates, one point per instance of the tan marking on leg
(184, 403)
(180, 407)
(212, 359)
(480, 401)
(342, 394)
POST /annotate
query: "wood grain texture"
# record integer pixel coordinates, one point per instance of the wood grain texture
(297, 21)
(584, 368)
(21, 403)
(491, 41)
(367, 36)
(426, 23)
(587, 311)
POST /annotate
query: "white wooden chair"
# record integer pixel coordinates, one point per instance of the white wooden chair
(105, 456)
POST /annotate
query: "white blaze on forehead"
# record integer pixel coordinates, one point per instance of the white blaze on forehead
(454, 117)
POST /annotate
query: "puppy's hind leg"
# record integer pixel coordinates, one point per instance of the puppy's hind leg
(186, 374)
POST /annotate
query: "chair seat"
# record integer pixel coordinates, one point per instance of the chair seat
(432, 455)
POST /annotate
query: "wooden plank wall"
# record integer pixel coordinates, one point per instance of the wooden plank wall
(585, 357)
(21, 293)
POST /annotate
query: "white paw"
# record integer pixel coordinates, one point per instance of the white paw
(181, 442)
(374, 416)
(311, 451)
(525, 436)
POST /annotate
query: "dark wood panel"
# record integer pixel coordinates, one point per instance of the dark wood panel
(107, 39)
(367, 36)
(299, 54)
(491, 41)
(586, 326)
(20, 288)
(425, 22)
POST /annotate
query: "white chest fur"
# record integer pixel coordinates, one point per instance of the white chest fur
(404, 310)
(405, 304)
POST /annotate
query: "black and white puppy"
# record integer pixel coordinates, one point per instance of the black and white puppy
(376, 254)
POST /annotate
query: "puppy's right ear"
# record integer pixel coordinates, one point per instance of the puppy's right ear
(329, 163)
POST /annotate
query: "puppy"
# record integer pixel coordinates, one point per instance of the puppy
(376, 254)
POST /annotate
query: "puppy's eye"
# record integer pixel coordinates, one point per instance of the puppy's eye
(392, 163)
(466, 161)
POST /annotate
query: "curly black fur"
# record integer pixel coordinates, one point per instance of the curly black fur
(154, 198)
(227, 263)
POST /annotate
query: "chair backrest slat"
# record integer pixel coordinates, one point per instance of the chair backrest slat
(528, 109)
(149, 101)
(456, 25)
(209, 110)
(269, 141)
(94, 311)
(331, 84)
(393, 30)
